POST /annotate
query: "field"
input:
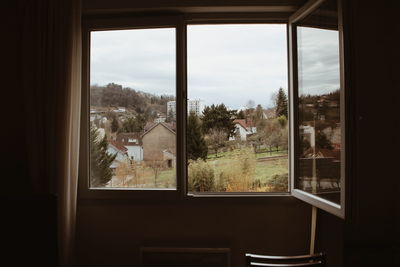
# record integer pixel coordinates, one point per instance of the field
(232, 171)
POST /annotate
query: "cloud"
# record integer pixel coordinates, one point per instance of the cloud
(319, 70)
(140, 59)
(234, 63)
(226, 63)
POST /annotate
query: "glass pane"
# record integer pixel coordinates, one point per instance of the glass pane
(319, 165)
(237, 130)
(132, 79)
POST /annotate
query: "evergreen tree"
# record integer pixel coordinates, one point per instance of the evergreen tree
(258, 115)
(220, 118)
(100, 160)
(114, 124)
(281, 103)
(240, 115)
(196, 146)
(133, 124)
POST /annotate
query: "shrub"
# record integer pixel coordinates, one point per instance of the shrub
(278, 183)
(201, 176)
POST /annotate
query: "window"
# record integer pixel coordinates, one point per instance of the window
(191, 106)
(318, 106)
(237, 134)
(132, 80)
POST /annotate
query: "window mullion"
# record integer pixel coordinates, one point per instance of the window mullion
(181, 87)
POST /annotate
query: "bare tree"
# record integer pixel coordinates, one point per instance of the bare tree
(156, 166)
(216, 139)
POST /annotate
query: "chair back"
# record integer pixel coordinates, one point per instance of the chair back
(313, 260)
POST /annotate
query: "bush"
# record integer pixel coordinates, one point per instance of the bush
(278, 183)
(201, 176)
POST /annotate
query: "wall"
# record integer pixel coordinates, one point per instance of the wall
(110, 233)
(373, 189)
(156, 140)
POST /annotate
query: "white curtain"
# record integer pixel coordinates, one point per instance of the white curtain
(68, 182)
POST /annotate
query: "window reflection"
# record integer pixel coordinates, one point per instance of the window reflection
(319, 165)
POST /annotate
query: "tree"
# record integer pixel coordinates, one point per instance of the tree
(258, 116)
(240, 115)
(216, 139)
(273, 134)
(220, 118)
(156, 166)
(170, 116)
(114, 124)
(196, 146)
(321, 141)
(133, 124)
(100, 159)
(281, 103)
(250, 104)
(257, 139)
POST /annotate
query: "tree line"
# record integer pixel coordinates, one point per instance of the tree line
(114, 95)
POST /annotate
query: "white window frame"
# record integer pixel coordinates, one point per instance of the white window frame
(331, 207)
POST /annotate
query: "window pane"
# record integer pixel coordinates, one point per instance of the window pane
(132, 78)
(237, 130)
(319, 165)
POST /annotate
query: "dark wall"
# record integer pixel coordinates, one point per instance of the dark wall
(110, 234)
(370, 234)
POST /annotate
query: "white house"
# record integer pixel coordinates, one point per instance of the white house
(308, 133)
(242, 130)
(133, 143)
(114, 147)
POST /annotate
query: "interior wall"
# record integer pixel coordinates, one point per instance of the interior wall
(111, 234)
(370, 233)
(330, 238)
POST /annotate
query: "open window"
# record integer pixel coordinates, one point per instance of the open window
(317, 106)
(188, 107)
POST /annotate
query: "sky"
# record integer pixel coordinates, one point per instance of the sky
(228, 64)
(318, 51)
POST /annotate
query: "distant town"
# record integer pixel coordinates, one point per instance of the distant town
(133, 142)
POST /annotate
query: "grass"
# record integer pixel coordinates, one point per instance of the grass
(271, 154)
(264, 170)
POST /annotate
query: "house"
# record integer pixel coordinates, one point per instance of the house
(115, 147)
(133, 144)
(269, 113)
(242, 130)
(159, 143)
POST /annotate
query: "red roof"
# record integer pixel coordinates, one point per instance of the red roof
(241, 123)
(326, 153)
(118, 145)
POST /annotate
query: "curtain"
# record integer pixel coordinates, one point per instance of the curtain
(51, 79)
(69, 152)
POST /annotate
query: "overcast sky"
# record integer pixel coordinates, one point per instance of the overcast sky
(319, 71)
(228, 64)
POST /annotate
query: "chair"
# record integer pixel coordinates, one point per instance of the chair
(318, 259)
